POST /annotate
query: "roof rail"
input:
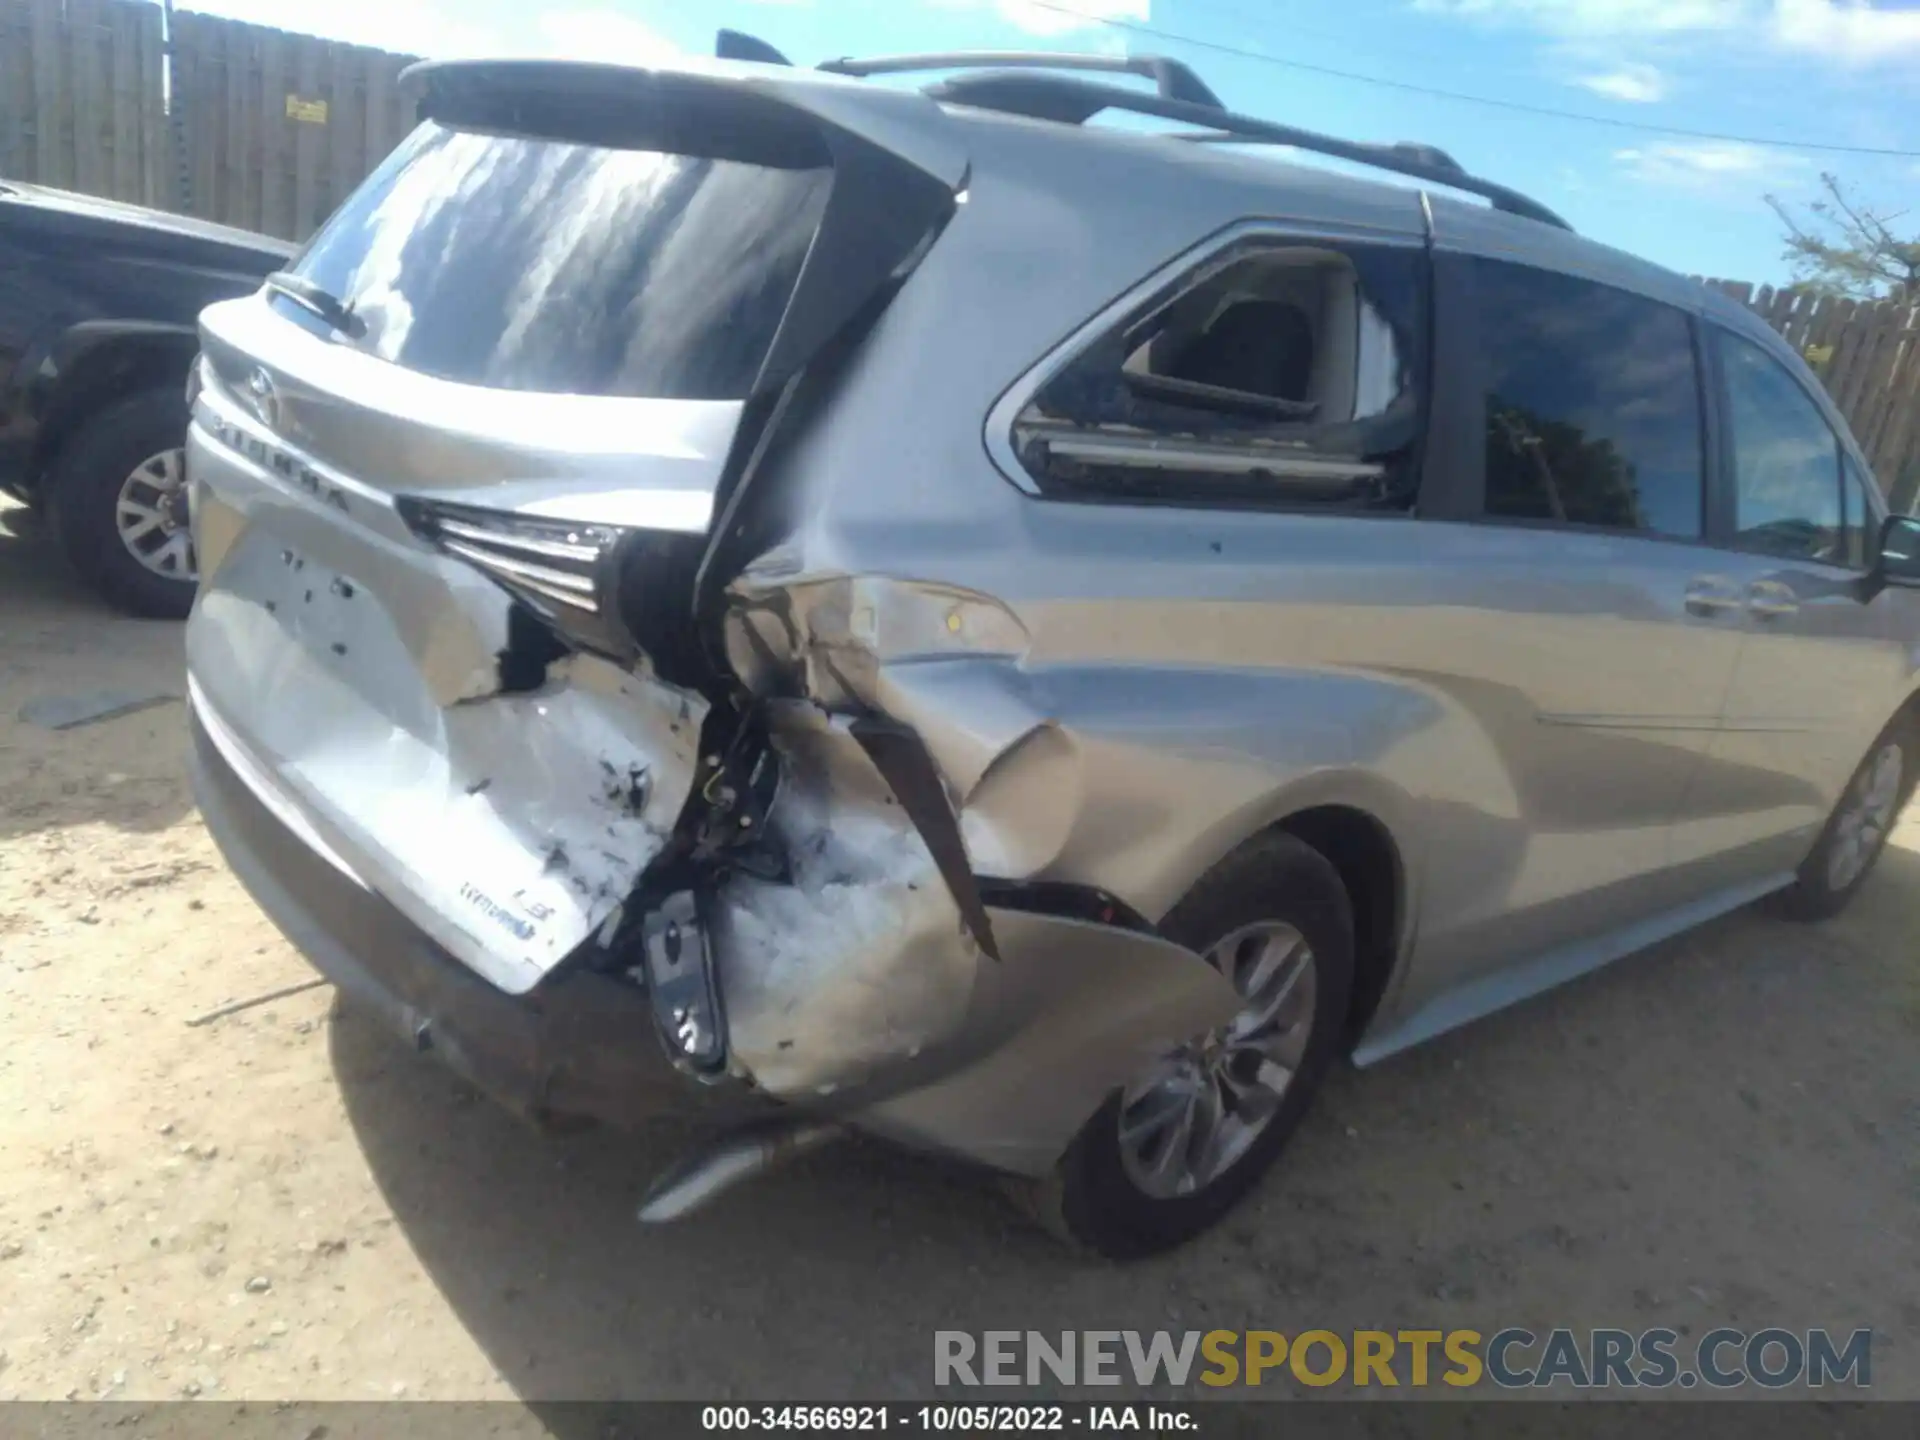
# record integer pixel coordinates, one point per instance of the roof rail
(1417, 152)
(1074, 101)
(1174, 80)
(1001, 81)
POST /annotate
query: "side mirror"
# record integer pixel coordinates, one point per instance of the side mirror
(1898, 559)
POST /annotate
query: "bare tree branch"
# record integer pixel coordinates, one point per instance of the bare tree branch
(1866, 227)
(1844, 247)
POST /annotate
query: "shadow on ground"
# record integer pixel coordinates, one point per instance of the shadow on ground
(1709, 1133)
(33, 574)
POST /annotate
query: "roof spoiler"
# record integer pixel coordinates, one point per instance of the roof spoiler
(738, 45)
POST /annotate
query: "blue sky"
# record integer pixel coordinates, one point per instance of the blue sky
(1779, 73)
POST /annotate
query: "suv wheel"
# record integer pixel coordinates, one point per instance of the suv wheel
(1857, 831)
(118, 501)
(1173, 1151)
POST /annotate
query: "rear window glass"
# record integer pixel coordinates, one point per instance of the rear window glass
(526, 264)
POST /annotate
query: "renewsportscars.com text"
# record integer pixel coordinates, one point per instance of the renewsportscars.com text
(1512, 1358)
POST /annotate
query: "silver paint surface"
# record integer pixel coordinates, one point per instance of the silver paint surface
(1568, 761)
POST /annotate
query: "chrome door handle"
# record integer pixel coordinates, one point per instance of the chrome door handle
(1710, 594)
(1770, 599)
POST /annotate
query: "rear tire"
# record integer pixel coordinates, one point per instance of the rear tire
(1856, 833)
(84, 491)
(1097, 1196)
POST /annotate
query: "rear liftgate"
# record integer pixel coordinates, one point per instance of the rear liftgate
(814, 925)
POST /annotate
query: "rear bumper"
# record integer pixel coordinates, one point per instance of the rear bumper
(577, 1046)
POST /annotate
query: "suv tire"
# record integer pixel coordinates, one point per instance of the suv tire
(1856, 833)
(1093, 1196)
(84, 488)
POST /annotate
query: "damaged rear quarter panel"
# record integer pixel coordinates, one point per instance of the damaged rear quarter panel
(857, 990)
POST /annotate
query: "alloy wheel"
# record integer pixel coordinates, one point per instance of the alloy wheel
(1865, 817)
(1199, 1109)
(150, 515)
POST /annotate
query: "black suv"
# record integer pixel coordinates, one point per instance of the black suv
(97, 309)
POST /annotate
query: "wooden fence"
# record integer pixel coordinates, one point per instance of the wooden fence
(273, 129)
(279, 128)
(80, 97)
(1867, 354)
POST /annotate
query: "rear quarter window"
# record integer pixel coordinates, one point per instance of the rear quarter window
(1275, 373)
(1592, 405)
(529, 264)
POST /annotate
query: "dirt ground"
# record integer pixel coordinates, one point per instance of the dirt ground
(283, 1204)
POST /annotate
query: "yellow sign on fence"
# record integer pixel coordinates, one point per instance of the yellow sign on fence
(310, 112)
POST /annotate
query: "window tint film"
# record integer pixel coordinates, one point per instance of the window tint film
(1272, 374)
(1593, 408)
(1786, 461)
(527, 264)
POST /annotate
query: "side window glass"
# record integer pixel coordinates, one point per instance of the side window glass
(1786, 461)
(1859, 514)
(1593, 404)
(1274, 374)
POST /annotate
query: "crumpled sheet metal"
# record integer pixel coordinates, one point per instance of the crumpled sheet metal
(856, 992)
(862, 962)
(511, 827)
(1073, 1011)
(943, 661)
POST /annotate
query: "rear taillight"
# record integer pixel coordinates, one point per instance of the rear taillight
(554, 563)
(560, 569)
(599, 586)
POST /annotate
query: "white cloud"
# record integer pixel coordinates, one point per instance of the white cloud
(1604, 17)
(1847, 29)
(1853, 31)
(1712, 166)
(1631, 82)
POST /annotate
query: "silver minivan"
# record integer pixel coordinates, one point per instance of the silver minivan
(846, 606)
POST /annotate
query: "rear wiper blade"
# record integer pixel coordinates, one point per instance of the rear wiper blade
(311, 298)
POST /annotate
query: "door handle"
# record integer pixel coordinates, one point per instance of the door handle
(1712, 594)
(1770, 599)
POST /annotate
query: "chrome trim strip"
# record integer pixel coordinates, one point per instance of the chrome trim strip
(686, 512)
(1147, 453)
(998, 435)
(572, 590)
(481, 535)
